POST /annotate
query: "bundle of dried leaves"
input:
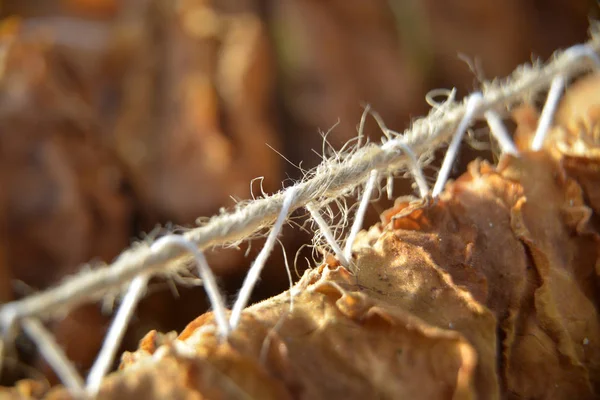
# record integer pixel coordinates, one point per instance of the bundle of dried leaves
(489, 292)
(174, 96)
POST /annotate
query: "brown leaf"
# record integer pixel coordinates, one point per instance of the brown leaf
(506, 243)
(336, 343)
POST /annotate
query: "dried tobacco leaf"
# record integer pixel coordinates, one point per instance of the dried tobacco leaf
(552, 223)
(514, 239)
(336, 343)
(490, 262)
(577, 136)
(25, 389)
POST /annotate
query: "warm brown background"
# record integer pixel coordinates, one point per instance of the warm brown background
(116, 116)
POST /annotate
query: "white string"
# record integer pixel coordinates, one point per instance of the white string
(361, 126)
(288, 270)
(337, 250)
(498, 130)
(578, 51)
(554, 94)
(55, 356)
(360, 214)
(414, 162)
(206, 274)
(115, 334)
(473, 104)
(389, 187)
(254, 273)
(415, 169)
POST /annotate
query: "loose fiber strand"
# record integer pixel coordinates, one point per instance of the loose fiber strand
(337, 250)
(208, 278)
(558, 84)
(360, 214)
(55, 356)
(256, 268)
(117, 329)
(499, 132)
(473, 104)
